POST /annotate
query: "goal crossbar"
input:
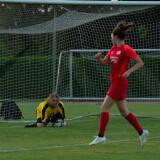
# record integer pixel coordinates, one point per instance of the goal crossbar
(83, 2)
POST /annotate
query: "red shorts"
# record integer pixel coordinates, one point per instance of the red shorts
(118, 89)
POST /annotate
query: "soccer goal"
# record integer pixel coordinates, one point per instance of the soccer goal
(48, 46)
(80, 77)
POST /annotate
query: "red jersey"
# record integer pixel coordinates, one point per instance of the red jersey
(120, 57)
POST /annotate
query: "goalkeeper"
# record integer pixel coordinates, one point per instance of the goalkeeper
(51, 110)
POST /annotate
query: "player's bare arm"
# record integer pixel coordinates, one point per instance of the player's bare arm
(138, 65)
(103, 61)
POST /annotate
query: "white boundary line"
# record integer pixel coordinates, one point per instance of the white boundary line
(72, 145)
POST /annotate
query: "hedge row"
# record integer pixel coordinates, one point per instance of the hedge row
(32, 77)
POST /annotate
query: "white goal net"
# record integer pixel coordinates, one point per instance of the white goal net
(47, 47)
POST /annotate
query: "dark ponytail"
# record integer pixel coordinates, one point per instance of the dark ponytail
(121, 29)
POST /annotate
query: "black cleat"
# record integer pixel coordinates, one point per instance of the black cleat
(31, 125)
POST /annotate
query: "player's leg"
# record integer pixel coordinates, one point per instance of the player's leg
(37, 124)
(107, 104)
(129, 116)
(122, 106)
(41, 125)
(39, 120)
(31, 125)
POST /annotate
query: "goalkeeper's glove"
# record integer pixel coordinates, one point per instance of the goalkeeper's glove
(57, 116)
(48, 119)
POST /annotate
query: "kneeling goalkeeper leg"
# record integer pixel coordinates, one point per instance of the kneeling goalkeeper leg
(31, 125)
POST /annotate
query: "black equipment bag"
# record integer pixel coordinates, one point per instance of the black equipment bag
(10, 110)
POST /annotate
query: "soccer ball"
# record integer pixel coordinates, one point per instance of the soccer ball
(57, 123)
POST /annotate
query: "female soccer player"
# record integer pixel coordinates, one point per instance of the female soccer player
(50, 110)
(119, 56)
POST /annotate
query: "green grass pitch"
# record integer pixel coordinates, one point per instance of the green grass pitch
(71, 142)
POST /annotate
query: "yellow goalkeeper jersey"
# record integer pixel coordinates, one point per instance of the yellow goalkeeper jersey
(45, 111)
